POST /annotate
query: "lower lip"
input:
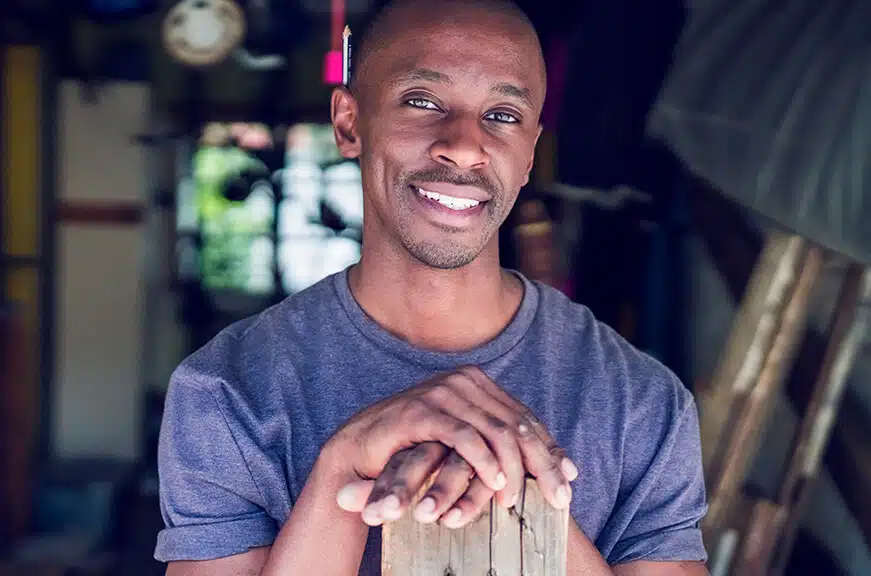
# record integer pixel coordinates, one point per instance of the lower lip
(445, 215)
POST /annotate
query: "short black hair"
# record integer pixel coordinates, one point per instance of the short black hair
(375, 25)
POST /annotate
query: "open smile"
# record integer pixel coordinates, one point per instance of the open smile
(451, 202)
(450, 205)
(455, 210)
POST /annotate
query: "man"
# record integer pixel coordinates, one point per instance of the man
(292, 436)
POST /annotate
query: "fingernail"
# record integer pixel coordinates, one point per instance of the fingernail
(346, 497)
(370, 514)
(452, 518)
(569, 469)
(425, 510)
(501, 481)
(390, 507)
(563, 496)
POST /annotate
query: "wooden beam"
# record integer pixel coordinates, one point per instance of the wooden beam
(527, 540)
(848, 328)
(735, 245)
(778, 310)
(750, 339)
(771, 532)
(105, 213)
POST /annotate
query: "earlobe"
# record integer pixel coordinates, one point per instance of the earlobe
(344, 114)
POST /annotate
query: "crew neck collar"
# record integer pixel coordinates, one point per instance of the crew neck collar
(498, 346)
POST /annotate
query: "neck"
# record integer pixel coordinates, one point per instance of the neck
(441, 310)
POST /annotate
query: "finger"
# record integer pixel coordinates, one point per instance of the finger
(427, 424)
(484, 414)
(469, 506)
(353, 497)
(544, 463)
(402, 479)
(512, 403)
(450, 483)
(542, 456)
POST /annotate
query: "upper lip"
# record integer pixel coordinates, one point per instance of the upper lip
(454, 190)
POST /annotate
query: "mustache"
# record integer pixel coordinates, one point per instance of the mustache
(445, 174)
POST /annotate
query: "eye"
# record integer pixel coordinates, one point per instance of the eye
(421, 103)
(503, 117)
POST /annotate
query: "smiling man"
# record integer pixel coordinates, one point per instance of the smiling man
(292, 436)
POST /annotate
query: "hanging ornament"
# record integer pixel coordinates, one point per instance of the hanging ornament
(203, 32)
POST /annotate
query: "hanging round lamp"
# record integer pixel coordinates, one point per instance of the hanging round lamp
(203, 32)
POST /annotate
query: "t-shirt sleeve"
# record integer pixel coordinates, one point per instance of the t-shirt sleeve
(670, 501)
(211, 505)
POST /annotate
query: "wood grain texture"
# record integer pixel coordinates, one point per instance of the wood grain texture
(527, 540)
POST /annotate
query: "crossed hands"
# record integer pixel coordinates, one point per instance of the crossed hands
(461, 429)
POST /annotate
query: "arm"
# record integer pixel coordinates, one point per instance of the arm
(665, 504)
(317, 529)
(210, 497)
(583, 559)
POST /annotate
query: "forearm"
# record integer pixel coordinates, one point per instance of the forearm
(319, 537)
(583, 559)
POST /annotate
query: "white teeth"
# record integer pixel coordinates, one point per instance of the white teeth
(449, 201)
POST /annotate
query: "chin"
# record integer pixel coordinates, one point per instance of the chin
(443, 255)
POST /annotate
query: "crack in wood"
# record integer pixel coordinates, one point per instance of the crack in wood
(497, 546)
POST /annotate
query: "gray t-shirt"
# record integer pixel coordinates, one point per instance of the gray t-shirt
(246, 415)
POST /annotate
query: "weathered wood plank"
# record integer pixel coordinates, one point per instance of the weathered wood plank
(735, 247)
(527, 540)
(750, 339)
(780, 320)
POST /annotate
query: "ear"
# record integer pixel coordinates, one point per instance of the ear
(531, 162)
(344, 112)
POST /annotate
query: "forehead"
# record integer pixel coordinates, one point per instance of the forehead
(473, 51)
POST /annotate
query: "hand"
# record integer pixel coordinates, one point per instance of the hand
(516, 435)
(454, 493)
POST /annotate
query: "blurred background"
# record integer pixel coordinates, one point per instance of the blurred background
(168, 168)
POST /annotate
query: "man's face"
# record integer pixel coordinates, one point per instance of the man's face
(446, 127)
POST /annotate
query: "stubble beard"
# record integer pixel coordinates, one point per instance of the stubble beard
(450, 251)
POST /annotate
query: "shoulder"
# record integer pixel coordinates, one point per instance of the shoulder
(639, 387)
(239, 363)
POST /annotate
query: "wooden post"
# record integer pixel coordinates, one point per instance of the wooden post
(527, 540)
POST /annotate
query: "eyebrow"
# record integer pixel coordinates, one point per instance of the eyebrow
(512, 91)
(427, 75)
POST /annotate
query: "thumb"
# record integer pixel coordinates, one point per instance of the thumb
(353, 497)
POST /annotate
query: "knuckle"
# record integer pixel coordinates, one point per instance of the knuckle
(529, 416)
(525, 430)
(498, 425)
(438, 394)
(553, 467)
(461, 378)
(467, 503)
(463, 432)
(426, 452)
(459, 467)
(399, 487)
(470, 372)
(416, 408)
(439, 492)
(555, 450)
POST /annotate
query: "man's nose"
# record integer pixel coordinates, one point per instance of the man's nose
(460, 144)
